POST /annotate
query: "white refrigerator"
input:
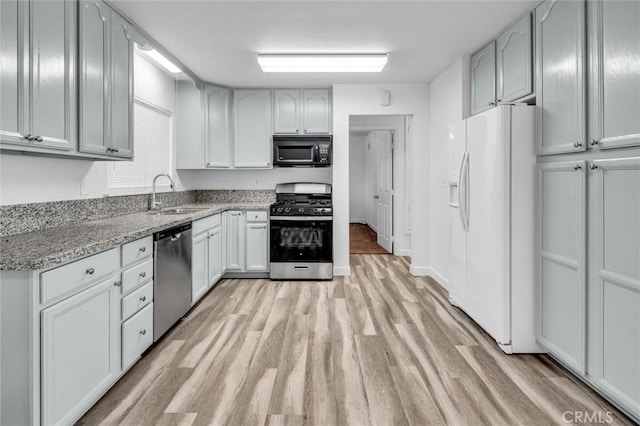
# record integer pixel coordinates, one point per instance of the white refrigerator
(492, 162)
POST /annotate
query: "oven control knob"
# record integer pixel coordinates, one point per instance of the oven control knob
(279, 210)
(301, 210)
(287, 209)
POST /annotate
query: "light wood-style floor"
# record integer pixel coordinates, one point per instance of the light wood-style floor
(380, 347)
(363, 240)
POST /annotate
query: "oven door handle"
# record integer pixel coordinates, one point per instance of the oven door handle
(302, 218)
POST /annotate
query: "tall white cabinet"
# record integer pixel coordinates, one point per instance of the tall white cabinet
(589, 192)
(252, 128)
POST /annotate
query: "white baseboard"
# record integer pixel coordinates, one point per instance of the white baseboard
(428, 271)
(403, 252)
(419, 271)
(370, 225)
(358, 220)
(341, 271)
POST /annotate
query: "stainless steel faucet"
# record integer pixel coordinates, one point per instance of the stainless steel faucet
(153, 204)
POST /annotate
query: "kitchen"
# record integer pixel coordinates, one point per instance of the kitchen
(394, 339)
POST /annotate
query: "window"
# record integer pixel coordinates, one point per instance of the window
(152, 152)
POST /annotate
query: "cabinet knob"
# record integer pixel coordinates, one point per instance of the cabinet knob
(577, 144)
(143, 274)
(577, 167)
(297, 131)
(498, 100)
(109, 149)
(90, 271)
(28, 137)
(492, 103)
(117, 283)
(143, 298)
(143, 249)
(38, 139)
(593, 142)
(305, 130)
(593, 166)
(115, 149)
(143, 332)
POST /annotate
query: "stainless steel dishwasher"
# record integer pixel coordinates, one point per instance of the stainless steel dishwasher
(172, 277)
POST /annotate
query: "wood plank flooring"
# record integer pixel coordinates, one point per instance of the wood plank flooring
(378, 348)
(363, 240)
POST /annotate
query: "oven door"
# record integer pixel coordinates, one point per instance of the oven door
(301, 239)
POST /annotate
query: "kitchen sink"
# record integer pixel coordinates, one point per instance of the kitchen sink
(178, 210)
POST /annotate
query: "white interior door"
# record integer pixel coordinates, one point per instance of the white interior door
(384, 188)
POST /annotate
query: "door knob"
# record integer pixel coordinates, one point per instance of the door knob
(376, 196)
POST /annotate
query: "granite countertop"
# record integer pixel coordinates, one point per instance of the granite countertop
(55, 246)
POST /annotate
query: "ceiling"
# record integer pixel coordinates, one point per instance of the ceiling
(218, 40)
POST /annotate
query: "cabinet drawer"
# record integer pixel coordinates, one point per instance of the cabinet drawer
(137, 300)
(137, 250)
(205, 224)
(70, 278)
(256, 216)
(136, 275)
(137, 335)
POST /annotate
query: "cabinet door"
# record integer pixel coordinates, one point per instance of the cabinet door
(190, 122)
(252, 129)
(614, 31)
(235, 241)
(13, 84)
(80, 351)
(215, 255)
(560, 80)
(561, 260)
(199, 269)
(483, 79)
(317, 111)
(53, 73)
(515, 61)
(121, 128)
(287, 111)
(614, 279)
(94, 75)
(257, 247)
(218, 126)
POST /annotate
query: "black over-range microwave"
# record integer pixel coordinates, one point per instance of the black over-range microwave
(302, 151)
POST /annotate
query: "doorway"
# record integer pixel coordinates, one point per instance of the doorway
(377, 149)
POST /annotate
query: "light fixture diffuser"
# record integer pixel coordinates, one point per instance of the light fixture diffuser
(159, 59)
(322, 62)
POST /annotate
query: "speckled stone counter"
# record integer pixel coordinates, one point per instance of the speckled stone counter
(54, 246)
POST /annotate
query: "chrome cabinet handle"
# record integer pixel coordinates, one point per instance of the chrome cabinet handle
(109, 149)
(577, 167)
(143, 274)
(90, 271)
(143, 249)
(492, 103)
(143, 332)
(143, 298)
(28, 137)
(38, 139)
(593, 142)
(115, 149)
(593, 166)
(577, 144)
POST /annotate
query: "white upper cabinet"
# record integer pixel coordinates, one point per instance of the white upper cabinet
(614, 78)
(560, 77)
(38, 73)
(252, 128)
(483, 78)
(514, 61)
(287, 112)
(218, 127)
(106, 81)
(300, 112)
(190, 121)
(316, 111)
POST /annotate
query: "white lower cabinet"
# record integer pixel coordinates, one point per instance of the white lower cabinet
(247, 241)
(206, 266)
(137, 335)
(80, 351)
(257, 249)
(235, 241)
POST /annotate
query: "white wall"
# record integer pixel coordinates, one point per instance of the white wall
(364, 99)
(446, 98)
(357, 178)
(251, 179)
(31, 179)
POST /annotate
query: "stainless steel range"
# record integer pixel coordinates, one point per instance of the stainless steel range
(302, 232)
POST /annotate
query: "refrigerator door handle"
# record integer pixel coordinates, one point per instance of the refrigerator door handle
(465, 179)
(462, 190)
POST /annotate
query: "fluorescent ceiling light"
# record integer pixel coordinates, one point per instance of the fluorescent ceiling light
(157, 57)
(322, 63)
